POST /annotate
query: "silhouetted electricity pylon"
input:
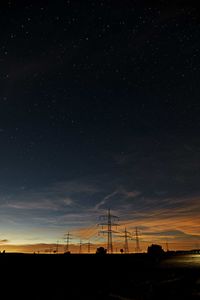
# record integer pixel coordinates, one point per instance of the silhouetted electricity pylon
(67, 238)
(167, 246)
(80, 247)
(57, 246)
(109, 221)
(89, 246)
(127, 235)
(137, 249)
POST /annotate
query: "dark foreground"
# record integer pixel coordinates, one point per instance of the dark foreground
(135, 277)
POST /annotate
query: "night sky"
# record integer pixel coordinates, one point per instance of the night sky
(99, 108)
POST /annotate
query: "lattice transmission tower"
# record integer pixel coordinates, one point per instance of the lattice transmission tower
(137, 249)
(67, 239)
(126, 235)
(109, 221)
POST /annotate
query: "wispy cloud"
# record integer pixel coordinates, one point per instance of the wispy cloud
(55, 197)
(118, 196)
(34, 202)
(4, 241)
(105, 200)
(76, 205)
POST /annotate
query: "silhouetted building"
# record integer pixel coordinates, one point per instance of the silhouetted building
(155, 250)
(101, 251)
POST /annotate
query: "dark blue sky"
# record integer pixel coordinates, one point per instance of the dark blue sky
(99, 107)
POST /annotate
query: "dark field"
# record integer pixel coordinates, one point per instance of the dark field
(99, 277)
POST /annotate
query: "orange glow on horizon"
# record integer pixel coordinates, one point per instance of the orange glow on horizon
(179, 229)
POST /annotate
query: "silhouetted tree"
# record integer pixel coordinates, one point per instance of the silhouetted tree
(101, 251)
